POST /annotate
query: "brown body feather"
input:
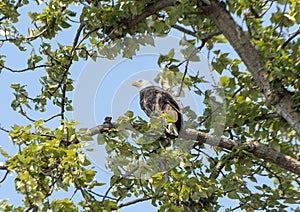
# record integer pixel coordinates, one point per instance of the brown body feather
(154, 100)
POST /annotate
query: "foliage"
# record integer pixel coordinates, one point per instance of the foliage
(51, 159)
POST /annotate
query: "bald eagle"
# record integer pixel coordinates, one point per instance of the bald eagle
(155, 101)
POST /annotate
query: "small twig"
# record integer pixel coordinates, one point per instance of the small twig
(184, 30)
(74, 47)
(193, 53)
(27, 97)
(198, 89)
(23, 70)
(99, 195)
(63, 103)
(297, 200)
(207, 155)
(290, 38)
(279, 24)
(116, 181)
(77, 22)
(31, 208)
(267, 116)
(87, 197)
(246, 22)
(183, 77)
(297, 179)
(237, 207)
(261, 15)
(50, 25)
(237, 91)
(2, 180)
(75, 191)
(204, 39)
(25, 115)
(273, 173)
(52, 117)
(259, 118)
(209, 115)
(4, 130)
(134, 201)
(217, 170)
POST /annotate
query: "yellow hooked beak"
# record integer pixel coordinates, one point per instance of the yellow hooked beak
(135, 83)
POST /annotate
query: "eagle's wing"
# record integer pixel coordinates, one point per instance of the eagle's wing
(155, 100)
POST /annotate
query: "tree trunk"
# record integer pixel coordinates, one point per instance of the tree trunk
(280, 99)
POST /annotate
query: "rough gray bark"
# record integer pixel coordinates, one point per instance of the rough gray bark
(280, 99)
(257, 149)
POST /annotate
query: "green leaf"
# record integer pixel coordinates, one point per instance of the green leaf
(101, 139)
(63, 205)
(129, 114)
(276, 146)
(4, 206)
(15, 86)
(169, 118)
(233, 195)
(3, 152)
(224, 81)
(171, 53)
(64, 24)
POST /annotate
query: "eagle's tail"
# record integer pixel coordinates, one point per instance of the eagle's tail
(172, 129)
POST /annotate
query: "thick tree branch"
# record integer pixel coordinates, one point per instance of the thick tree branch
(257, 149)
(136, 19)
(280, 99)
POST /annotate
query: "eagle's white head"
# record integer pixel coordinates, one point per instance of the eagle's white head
(141, 84)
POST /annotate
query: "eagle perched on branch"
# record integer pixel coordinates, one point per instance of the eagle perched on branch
(156, 101)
